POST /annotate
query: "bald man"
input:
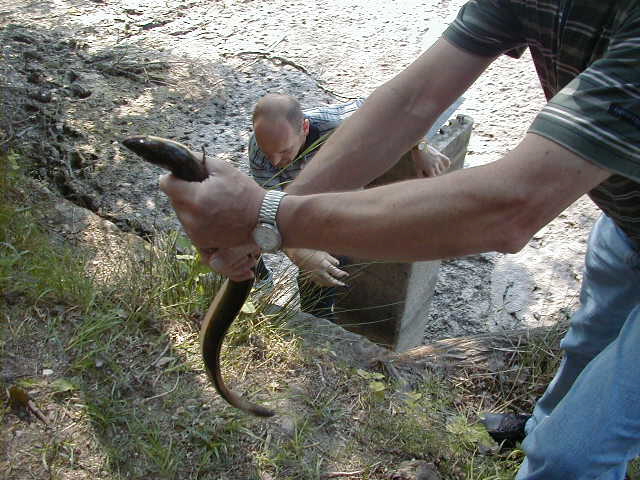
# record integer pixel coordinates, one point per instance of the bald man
(283, 132)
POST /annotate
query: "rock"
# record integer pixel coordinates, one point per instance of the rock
(416, 470)
(288, 426)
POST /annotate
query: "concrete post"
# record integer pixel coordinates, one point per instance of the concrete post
(389, 302)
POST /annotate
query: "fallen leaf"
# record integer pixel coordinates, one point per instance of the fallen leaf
(163, 361)
(18, 397)
(63, 385)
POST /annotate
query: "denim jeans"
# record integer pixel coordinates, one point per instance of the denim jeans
(587, 423)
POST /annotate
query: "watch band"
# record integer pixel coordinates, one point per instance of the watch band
(269, 207)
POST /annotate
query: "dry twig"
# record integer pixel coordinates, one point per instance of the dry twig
(343, 474)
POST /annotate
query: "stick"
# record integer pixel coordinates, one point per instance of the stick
(343, 474)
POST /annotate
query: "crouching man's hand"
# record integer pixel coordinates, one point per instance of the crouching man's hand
(321, 267)
(428, 161)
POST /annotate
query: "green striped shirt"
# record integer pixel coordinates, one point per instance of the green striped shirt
(587, 55)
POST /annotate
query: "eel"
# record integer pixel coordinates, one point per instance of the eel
(228, 302)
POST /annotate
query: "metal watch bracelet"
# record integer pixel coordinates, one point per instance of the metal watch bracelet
(269, 207)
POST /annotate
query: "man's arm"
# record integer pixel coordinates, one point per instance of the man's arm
(221, 211)
(496, 207)
(391, 120)
(493, 207)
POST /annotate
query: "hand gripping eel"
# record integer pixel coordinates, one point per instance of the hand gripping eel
(226, 305)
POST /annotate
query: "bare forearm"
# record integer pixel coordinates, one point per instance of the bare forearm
(413, 220)
(496, 207)
(390, 122)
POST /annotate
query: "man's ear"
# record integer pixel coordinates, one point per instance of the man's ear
(305, 126)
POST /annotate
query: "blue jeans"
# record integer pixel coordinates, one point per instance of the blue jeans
(587, 423)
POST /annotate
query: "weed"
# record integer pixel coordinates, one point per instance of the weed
(31, 265)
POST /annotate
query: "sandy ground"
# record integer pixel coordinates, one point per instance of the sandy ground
(215, 59)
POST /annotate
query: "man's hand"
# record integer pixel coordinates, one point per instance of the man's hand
(219, 212)
(321, 267)
(429, 162)
(236, 263)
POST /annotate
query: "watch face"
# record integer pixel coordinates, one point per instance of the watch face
(267, 237)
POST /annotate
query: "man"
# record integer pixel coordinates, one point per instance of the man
(585, 140)
(281, 146)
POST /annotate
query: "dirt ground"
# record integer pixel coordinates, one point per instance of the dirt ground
(77, 76)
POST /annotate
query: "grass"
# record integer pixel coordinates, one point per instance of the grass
(112, 361)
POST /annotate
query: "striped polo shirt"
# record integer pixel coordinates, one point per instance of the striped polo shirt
(322, 120)
(587, 55)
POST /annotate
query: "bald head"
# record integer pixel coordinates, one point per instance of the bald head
(276, 106)
(280, 128)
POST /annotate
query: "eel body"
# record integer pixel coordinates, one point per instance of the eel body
(227, 304)
(223, 310)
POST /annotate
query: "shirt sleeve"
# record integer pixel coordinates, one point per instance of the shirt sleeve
(597, 114)
(487, 28)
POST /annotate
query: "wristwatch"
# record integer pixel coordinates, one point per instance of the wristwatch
(266, 233)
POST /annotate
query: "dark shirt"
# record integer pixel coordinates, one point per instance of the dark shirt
(587, 56)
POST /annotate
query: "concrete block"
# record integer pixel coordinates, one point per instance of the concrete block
(389, 302)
